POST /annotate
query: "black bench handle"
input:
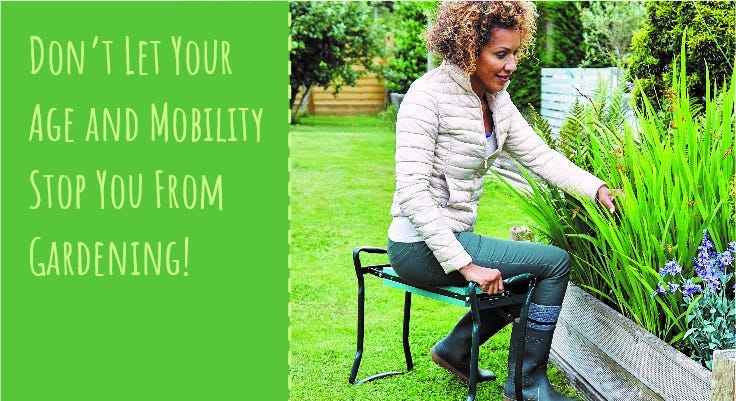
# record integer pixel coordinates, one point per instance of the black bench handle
(519, 279)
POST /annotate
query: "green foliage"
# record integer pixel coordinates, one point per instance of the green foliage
(388, 116)
(522, 233)
(712, 319)
(542, 127)
(327, 40)
(672, 174)
(604, 109)
(573, 141)
(558, 44)
(733, 198)
(408, 53)
(711, 313)
(608, 27)
(711, 43)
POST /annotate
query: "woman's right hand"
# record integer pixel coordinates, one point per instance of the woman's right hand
(489, 280)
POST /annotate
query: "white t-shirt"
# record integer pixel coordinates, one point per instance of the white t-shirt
(491, 144)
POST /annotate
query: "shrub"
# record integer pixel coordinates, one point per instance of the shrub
(608, 27)
(558, 44)
(327, 40)
(408, 53)
(711, 43)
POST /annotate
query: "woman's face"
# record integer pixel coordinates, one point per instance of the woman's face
(497, 60)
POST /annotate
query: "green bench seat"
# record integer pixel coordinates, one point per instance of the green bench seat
(518, 291)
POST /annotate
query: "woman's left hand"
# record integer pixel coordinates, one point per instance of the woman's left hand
(605, 197)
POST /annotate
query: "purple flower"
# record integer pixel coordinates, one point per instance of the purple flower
(707, 243)
(726, 259)
(713, 283)
(661, 290)
(710, 266)
(705, 262)
(689, 289)
(671, 268)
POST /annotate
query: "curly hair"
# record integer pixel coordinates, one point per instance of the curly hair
(463, 28)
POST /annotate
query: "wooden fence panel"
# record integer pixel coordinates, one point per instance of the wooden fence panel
(368, 96)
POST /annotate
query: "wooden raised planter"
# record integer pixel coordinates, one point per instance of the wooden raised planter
(608, 357)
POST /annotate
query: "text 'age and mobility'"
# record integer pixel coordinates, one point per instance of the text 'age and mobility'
(175, 124)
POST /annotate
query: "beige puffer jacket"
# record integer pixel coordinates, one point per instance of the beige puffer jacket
(441, 158)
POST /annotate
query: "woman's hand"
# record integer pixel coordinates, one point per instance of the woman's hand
(605, 197)
(489, 280)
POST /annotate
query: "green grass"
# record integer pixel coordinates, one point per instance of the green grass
(341, 190)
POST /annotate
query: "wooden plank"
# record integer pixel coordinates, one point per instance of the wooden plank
(555, 106)
(592, 328)
(346, 111)
(555, 114)
(578, 72)
(368, 96)
(349, 89)
(372, 88)
(724, 375)
(569, 88)
(595, 374)
(347, 102)
(562, 97)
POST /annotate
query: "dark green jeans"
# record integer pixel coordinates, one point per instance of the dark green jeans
(550, 265)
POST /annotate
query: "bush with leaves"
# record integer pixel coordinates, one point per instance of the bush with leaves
(558, 43)
(407, 59)
(328, 39)
(711, 44)
(608, 27)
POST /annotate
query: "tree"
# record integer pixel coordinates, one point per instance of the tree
(710, 29)
(328, 39)
(558, 44)
(608, 27)
(408, 55)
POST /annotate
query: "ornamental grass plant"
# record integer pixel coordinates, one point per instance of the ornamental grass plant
(672, 173)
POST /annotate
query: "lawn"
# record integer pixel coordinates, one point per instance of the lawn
(341, 189)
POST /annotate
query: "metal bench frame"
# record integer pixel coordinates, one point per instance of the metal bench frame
(470, 296)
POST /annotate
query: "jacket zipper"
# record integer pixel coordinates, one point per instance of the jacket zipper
(483, 126)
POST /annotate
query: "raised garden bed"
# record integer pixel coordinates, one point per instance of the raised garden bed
(608, 357)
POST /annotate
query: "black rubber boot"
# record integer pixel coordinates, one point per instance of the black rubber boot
(453, 351)
(535, 384)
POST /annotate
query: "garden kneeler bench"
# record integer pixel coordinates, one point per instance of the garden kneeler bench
(518, 290)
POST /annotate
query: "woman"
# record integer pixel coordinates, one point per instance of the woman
(452, 124)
